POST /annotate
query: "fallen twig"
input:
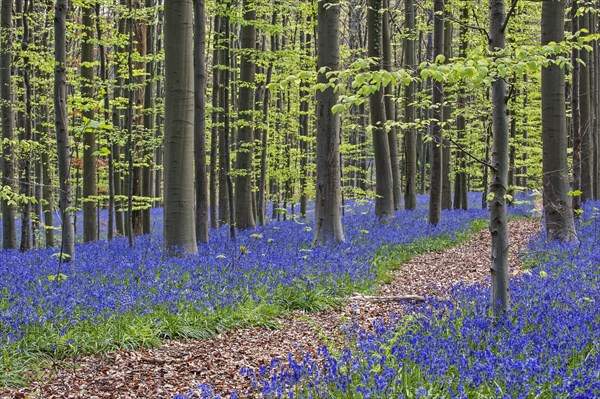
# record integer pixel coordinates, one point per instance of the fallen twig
(395, 298)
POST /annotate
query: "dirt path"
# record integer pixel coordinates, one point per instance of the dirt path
(177, 366)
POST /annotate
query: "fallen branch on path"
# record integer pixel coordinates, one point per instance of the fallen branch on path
(361, 297)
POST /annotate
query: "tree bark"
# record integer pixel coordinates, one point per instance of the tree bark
(410, 111)
(384, 203)
(89, 135)
(390, 114)
(586, 135)
(214, 134)
(62, 132)
(499, 171)
(555, 172)
(200, 121)
(9, 231)
(328, 219)
(179, 221)
(435, 188)
(244, 217)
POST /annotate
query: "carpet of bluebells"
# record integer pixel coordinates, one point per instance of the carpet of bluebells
(548, 346)
(267, 264)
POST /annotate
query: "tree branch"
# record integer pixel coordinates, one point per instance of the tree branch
(360, 297)
(510, 14)
(461, 148)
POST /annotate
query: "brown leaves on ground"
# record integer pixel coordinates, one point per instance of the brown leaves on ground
(177, 366)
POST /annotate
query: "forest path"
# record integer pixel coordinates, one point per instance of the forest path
(176, 366)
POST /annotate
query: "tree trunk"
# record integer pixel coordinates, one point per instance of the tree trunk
(435, 189)
(328, 220)
(224, 122)
(499, 171)
(384, 203)
(137, 180)
(179, 221)
(447, 115)
(390, 114)
(586, 135)
(9, 231)
(555, 171)
(149, 125)
(89, 135)
(62, 132)
(214, 134)
(410, 142)
(243, 199)
(200, 121)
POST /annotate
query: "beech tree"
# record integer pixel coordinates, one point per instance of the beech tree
(557, 203)
(62, 130)
(179, 220)
(200, 121)
(328, 219)
(499, 167)
(384, 202)
(435, 182)
(9, 231)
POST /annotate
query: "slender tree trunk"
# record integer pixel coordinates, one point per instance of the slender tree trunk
(384, 203)
(200, 121)
(447, 115)
(304, 129)
(179, 127)
(435, 189)
(390, 113)
(137, 152)
(243, 199)
(460, 186)
(89, 135)
(586, 134)
(214, 135)
(224, 123)
(9, 231)
(62, 132)
(328, 220)
(410, 142)
(149, 119)
(555, 171)
(26, 136)
(499, 173)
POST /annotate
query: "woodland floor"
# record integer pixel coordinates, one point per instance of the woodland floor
(177, 366)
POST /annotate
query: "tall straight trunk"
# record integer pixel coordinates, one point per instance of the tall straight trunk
(586, 134)
(594, 103)
(435, 184)
(244, 217)
(460, 182)
(130, 128)
(110, 139)
(89, 135)
(26, 186)
(224, 123)
(116, 147)
(447, 115)
(62, 132)
(384, 203)
(149, 121)
(555, 171)
(410, 110)
(499, 171)
(48, 205)
(262, 184)
(201, 180)
(137, 179)
(214, 134)
(179, 230)
(390, 113)
(305, 39)
(9, 231)
(328, 219)
(159, 118)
